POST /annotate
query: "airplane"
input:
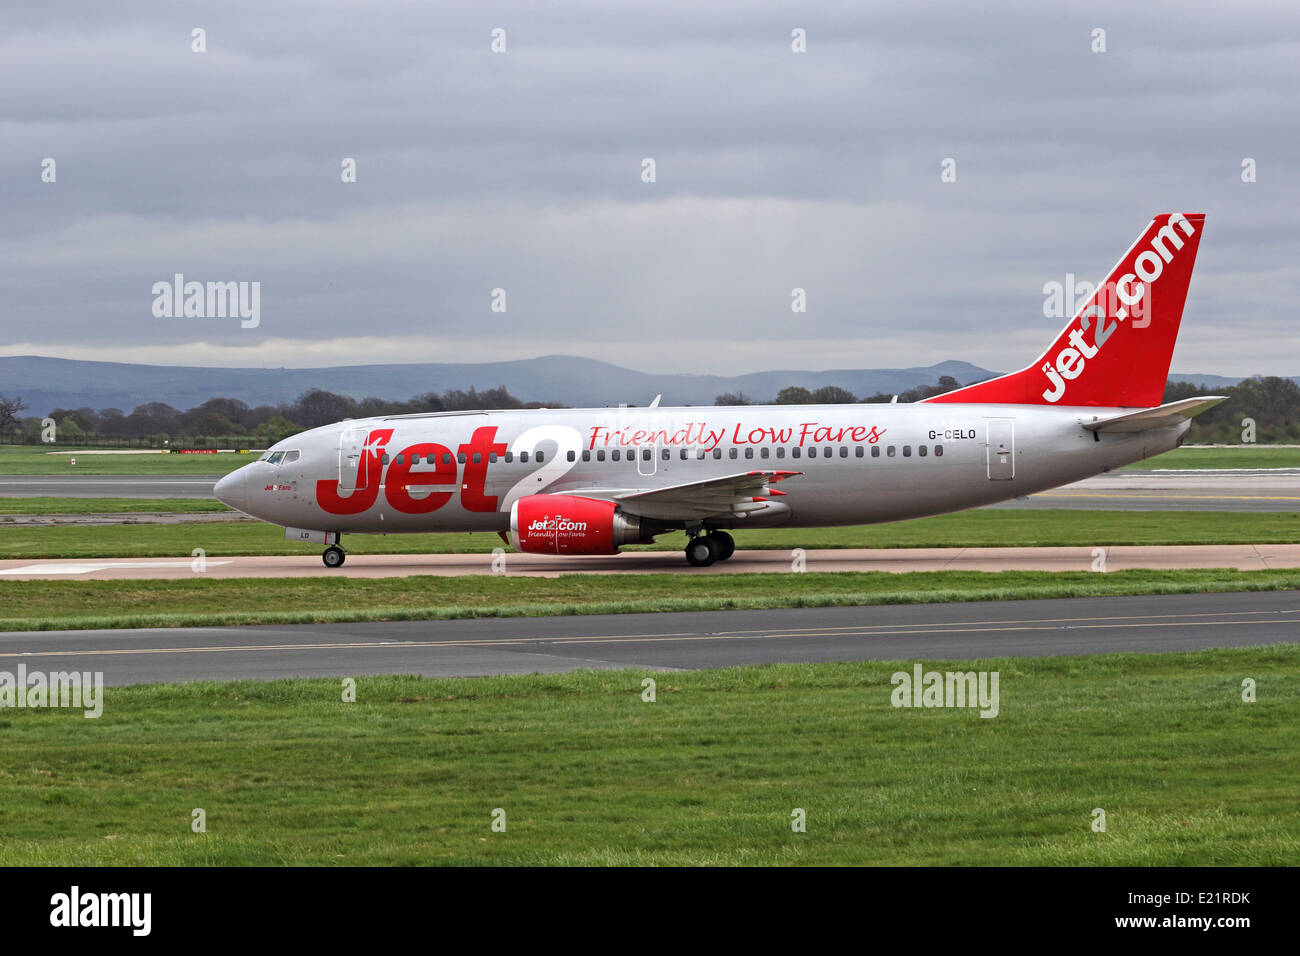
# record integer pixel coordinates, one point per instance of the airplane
(590, 481)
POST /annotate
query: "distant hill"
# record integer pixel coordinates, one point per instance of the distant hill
(48, 383)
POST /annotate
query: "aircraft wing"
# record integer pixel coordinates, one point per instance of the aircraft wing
(730, 495)
(1159, 417)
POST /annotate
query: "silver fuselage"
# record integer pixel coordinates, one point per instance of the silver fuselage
(973, 455)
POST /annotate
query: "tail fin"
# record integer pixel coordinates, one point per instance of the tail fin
(1116, 351)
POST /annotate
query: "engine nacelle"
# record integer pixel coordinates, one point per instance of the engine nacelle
(569, 524)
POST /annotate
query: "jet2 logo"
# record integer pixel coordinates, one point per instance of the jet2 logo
(1071, 360)
(400, 480)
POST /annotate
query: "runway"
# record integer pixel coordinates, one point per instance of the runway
(1244, 557)
(1267, 489)
(668, 641)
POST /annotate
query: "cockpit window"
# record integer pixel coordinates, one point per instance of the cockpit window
(275, 457)
(290, 456)
(280, 457)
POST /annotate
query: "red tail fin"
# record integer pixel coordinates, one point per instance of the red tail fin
(1116, 350)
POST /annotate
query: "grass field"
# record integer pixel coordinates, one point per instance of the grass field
(62, 605)
(1236, 456)
(34, 460)
(1047, 527)
(90, 506)
(710, 773)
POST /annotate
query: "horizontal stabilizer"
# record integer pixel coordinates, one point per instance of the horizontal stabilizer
(1161, 417)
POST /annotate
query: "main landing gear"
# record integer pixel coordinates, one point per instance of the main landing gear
(334, 556)
(703, 549)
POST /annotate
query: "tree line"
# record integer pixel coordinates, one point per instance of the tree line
(834, 395)
(1263, 409)
(232, 417)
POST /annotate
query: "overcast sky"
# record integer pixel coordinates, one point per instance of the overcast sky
(522, 171)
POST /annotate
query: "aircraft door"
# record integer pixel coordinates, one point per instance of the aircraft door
(1001, 449)
(647, 459)
(352, 445)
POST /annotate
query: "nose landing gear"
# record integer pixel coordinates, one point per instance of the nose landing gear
(334, 556)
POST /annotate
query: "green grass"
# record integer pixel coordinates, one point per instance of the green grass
(1236, 456)
(56, 605)
(709, 774)
(37, 460)
(86, 506)
(983, 528)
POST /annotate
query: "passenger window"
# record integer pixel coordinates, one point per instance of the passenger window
(858, 451)
(492, 457)
(666, 454)
(795, 452)
(571, 455)
(683, 454)
(921, 450)
(398, 459)
(889, 453)
(826, 452)
(461, 457)
(446, 458)
(875, 451)
(478, 457)
(540, 458)
(763, 453)
(938, 451)
(907, 451)
(523, 457)
(717, 454)
(616, 455)
(732, 452)
(600, 454)
(510, 456)
(700, 453)
(586, 454)
(646, 454)
(844, 451)
(749, 453)
(384, 458)
(812, 451)
(780, 452)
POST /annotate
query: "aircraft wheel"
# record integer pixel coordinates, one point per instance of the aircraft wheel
(333, 557)
(702, 551)
(726, 544)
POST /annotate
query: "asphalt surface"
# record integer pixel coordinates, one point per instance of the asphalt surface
(1243, 557)
(1276, 489)
(666, 641)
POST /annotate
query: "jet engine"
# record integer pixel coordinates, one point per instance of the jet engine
(569, 524)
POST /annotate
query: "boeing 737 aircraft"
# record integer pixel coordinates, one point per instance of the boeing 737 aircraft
(588, 481)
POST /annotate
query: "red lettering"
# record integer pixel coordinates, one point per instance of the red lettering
(401, 479)
(481, 443)
(366, 486)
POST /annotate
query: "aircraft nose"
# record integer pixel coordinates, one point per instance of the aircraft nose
(230, 489)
